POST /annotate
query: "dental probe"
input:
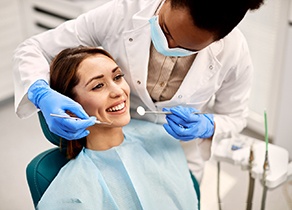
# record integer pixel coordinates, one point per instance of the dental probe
(76, 118)
(141, 111)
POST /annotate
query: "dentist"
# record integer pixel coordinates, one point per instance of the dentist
(177, 55)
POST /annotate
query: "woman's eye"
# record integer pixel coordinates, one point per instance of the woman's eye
(98, 86)
(118, 77)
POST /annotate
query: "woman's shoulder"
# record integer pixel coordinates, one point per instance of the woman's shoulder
(75, 186)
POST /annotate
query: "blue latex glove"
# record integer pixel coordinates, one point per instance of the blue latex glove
(184, 125)
(50, 101)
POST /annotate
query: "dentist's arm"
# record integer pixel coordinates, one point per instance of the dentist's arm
(184, 125)
(32, 57)
(50, 101)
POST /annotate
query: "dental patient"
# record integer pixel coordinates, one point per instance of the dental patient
(114, 167)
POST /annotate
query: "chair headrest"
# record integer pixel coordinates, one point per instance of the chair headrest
(53, 138)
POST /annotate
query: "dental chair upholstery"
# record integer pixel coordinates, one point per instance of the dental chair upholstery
(45, 166)
(41, 171)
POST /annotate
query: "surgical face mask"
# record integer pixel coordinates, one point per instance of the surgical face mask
(160, 42)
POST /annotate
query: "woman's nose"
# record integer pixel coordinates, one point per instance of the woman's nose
(116, 91)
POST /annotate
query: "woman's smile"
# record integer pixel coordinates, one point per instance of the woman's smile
(117, 108)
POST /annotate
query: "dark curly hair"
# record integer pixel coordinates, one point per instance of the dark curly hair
(217, 16)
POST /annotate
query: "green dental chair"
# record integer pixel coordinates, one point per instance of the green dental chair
(44, 167)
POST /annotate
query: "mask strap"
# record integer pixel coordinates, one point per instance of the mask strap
(159, 7)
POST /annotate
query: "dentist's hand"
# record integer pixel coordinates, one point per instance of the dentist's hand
(183, 124)
(50, 101)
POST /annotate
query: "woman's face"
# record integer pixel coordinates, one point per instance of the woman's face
(103, 91)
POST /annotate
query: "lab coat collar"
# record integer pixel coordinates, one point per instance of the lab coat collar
(202, 70)
(200, 73)
(216, 47)
(142, 17)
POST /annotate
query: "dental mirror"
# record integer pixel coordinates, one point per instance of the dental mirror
(141, 111)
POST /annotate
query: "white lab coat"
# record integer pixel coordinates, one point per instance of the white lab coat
(221, 73)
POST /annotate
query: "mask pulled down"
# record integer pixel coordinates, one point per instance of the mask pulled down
(160, 42)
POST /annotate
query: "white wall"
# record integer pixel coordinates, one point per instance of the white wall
(11, 34)
(266, 31)
(284, 110)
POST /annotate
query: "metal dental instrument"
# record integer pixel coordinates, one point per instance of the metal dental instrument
(251, 179)
(141, 111)
(76, 118)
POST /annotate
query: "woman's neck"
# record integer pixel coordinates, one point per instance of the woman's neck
(104, 138)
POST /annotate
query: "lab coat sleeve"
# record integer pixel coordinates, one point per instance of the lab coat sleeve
(32, 57)
(231, 100)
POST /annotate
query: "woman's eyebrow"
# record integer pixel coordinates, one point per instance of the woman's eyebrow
(100, 76)
(94, 78)
(115, 69)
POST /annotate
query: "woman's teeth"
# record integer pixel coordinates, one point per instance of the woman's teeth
(116, 108)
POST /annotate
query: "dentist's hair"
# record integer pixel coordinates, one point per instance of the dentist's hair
(219, 17)
(63, 79)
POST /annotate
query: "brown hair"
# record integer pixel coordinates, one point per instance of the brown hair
(63, 78)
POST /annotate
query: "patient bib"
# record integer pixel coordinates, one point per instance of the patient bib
(147, 171)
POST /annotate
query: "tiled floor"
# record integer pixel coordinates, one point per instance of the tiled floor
(21, 140)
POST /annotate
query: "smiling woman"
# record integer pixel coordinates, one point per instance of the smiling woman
(116, 166)
(92, 78)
